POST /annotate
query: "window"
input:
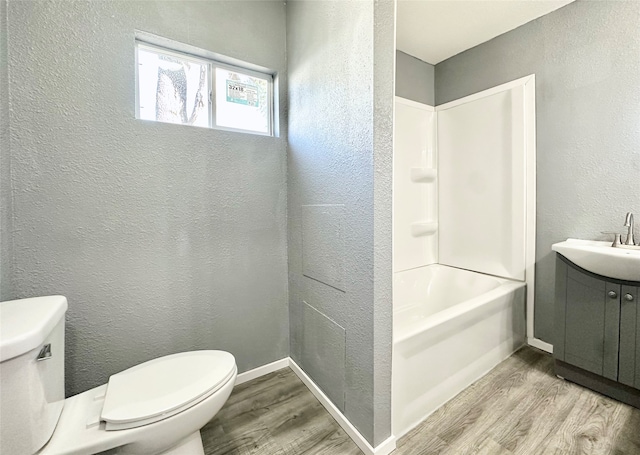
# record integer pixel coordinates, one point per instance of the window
(242, 100)
(176, 87)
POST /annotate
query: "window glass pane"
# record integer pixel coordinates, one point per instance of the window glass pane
(242, 101)
(172, 89)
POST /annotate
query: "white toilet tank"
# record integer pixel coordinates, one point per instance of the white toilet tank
(31, 372)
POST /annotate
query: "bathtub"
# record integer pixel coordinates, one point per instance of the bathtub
(450, 327)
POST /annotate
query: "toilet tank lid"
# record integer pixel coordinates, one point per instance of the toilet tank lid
(26, 323)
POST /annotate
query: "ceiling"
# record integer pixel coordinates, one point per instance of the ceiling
(434, 30)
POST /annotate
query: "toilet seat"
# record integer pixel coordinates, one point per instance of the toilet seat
(162, 387)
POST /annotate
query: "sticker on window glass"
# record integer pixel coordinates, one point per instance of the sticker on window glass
(240, 93)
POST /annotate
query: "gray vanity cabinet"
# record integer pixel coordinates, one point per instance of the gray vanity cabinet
(589, 321)
(597, 329)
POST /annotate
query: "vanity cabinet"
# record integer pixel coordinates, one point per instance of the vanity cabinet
(597, 331)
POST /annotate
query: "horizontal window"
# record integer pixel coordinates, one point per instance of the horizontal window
(175, 87)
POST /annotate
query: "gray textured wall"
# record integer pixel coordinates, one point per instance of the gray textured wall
(384, 22)
(586, 58)
(338, 173)
(164, 237)
(6, 250)
(415, 79)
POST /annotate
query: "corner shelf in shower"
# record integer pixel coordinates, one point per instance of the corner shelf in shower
(423, 174)
(421, 228)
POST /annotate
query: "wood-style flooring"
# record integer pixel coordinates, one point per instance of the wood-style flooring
(520, 407)
(275, 414)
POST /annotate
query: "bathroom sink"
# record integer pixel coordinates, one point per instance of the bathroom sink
(601, 258)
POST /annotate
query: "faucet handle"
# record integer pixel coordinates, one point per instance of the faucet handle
(617, 241)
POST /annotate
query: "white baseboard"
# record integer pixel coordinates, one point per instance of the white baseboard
(261, 371)
(386, 447)
(543, 345)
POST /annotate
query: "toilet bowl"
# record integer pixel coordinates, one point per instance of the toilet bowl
(157, 407)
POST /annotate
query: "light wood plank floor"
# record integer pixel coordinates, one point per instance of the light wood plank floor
(520, 407)
(275, 414)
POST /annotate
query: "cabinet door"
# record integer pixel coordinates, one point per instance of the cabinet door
(592, 321)
(560, 308)
(611, 331)
(629, 337)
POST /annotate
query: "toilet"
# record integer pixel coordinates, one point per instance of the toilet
(154, 408)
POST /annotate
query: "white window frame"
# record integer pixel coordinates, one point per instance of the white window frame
(211, 82)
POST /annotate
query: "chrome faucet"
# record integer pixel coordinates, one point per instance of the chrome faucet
(629, 242)
(628, 222)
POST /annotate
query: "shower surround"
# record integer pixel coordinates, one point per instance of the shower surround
(464, 243)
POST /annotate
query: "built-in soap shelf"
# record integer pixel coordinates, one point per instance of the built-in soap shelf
(421, 228)
(423, 174)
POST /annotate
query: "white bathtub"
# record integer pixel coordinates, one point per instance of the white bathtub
(450, 327)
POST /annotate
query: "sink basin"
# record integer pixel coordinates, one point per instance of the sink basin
(601, 258)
